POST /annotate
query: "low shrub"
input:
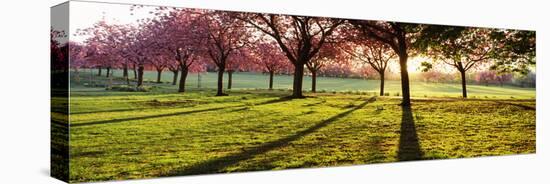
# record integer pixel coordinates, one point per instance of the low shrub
(94, 85)
(128, 88)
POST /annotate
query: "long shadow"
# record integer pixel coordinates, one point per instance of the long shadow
(148, 117)
(60, 123)
(524, 107)
(277, 100)
(281, 99)
(409, 147)
(100, 111)
(215, 165)
(173, 114)
(375, 152)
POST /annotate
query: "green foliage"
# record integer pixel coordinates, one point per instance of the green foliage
(517, 53)
(509, 50)
(426, 66)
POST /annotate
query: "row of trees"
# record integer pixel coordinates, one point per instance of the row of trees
(191, 40)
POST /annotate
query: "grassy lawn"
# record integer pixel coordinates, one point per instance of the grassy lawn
(123, 135)
(330, 84)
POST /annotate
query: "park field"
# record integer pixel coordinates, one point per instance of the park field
(124, 135)
(333, 84)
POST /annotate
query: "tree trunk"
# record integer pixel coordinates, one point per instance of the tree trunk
(298, 78)
(405, 90)
(271, 80)
(220, 82)
(199, 80)
(159, 74)
(313, 81)
(77, 76)
(125, 74)
(125, 71)
(140, 75)
(175, 80)
(229, 79)
(110, 77)
(463, 77)
(108, 71)
(183, 77)
(135, 73)
(99, 71)
(382, 83)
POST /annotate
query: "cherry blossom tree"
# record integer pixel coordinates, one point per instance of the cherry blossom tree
(77, 58)
(493, 77)
(268, 57)
(374, 53)
(184, 34)
(398, 37)
(241, 60)
(226, 36)
(329, 54)
(107, 42)
(175, 69)
(299, 37)
(340, 69)
(159, 63)
(141, 45)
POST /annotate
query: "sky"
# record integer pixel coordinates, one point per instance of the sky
(86, 14)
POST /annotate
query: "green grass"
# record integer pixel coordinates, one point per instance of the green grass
(124, 135)
(330, 84)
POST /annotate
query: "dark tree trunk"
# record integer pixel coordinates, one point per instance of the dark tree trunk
(271, 80)
(175, 80)
(125, 71)
(125, 74)
(159, 74)
(463, 77)
(405, 90)
(382, 83)
(135, 73)
(183, 77)
(220, 82)
(298, 78)
(313, 81)
(140, 75)
(108, 71)
(99, 71)
(229, 79)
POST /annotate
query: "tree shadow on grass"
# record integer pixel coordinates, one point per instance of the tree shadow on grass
(524, 107)
(409, 147)
(217, 164)
(102, 111)
(147, 117)
(175, 113)
(277, 100)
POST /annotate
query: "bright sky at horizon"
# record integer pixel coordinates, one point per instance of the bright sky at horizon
(86, 14)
